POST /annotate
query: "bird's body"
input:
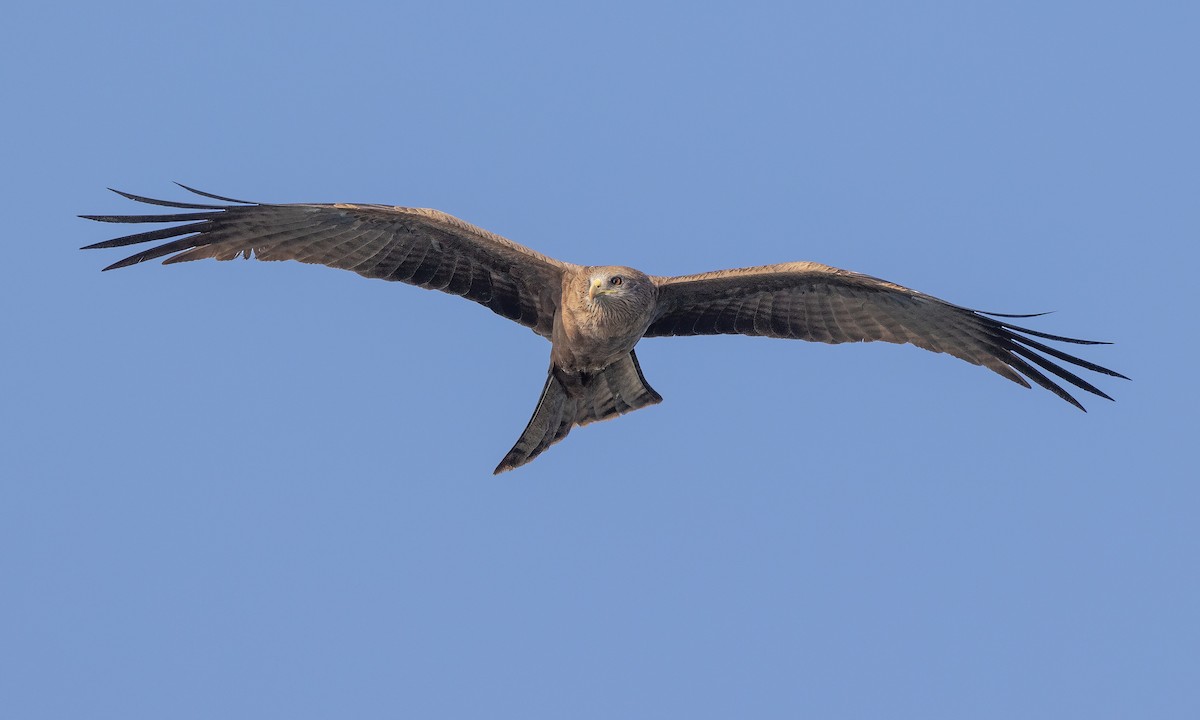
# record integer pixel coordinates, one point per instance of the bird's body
(598, 322)
(594, 316)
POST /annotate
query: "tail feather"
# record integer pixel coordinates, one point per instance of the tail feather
(617, 389)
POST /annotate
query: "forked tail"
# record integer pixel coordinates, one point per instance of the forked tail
(568, 401)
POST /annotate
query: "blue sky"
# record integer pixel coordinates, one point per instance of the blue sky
(263, 490)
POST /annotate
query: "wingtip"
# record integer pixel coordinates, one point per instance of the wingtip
(1070, 399)
(1067, 396)
(131, 260)
(117, 265)
(134, 197)
(1113, 373)
(1015, 315)
(210, 195)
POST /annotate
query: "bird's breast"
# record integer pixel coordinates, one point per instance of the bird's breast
(590, 341)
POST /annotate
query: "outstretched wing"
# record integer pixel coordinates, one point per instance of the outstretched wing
(810, 301)
(422, 247)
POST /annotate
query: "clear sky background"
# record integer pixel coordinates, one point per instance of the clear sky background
(250, 490)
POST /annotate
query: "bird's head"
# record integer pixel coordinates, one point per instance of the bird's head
(619, 292)
(617, 284)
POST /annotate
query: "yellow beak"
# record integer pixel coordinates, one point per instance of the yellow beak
(597, 288)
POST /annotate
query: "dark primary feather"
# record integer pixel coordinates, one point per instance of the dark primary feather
(809, 301)
(421, 247)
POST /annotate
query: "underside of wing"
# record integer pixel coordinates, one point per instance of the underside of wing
(809, 301)
(418, 246)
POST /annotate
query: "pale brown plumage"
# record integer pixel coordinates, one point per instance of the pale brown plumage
(594, 316)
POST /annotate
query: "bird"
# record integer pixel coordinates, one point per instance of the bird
(595, 315)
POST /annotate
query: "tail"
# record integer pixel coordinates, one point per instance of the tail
(568, 401)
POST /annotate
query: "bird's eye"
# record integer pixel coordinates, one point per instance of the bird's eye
(615, 280)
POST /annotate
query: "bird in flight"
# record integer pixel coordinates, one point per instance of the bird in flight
(593, 316)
